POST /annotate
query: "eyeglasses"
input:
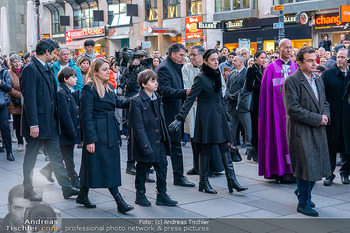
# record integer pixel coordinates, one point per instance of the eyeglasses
(274, 57)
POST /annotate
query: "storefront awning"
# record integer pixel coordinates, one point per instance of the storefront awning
(79, 44)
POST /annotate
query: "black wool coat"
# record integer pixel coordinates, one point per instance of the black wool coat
(148, 128)
(253, 84)
(211, 125)
(68, 104)
(100, 126)
(338, 132)
(171, 87)
(39, 89)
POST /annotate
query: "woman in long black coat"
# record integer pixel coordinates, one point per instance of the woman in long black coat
(211, 124)
(100, 167)
(253, 82)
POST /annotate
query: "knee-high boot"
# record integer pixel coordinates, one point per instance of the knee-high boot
(230, 173)
(83, 198)
(203, 175)
(123, 207)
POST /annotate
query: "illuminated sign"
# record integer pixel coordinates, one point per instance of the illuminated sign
(196, 8)
(81, 33)
(278, 8)
(344, 12)
(173, 11)
(209, 25)
(324, 20)
(191, 30)
(234, 24)
(153, 14)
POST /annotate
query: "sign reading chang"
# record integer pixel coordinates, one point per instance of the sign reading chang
(325, 20)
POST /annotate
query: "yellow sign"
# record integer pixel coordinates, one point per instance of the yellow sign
(278, 8)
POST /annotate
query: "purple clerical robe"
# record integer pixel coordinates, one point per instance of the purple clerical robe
(273, 147)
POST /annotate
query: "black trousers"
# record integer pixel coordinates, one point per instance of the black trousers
(17, 126)
(177, 160)
(160, 168)
(68, 157)
(131, 161)
(345, 167)
(54, 153)
(5, 129)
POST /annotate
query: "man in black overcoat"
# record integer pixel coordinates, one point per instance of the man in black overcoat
(171, 87)
(40, 125)
(336, 81)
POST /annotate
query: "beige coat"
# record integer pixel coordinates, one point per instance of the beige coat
(15, 92)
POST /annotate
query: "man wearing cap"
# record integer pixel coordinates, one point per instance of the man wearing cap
(330, 63)
(89, 46)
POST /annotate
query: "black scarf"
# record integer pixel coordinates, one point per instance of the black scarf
(213, 75)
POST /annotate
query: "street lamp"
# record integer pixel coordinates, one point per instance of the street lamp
(37, 5)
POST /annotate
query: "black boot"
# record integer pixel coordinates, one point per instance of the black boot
(230, 173)
(75, 181)
(69, 191)
(83, 198)
(123, 207)
(203, 175)
(253, 154)
(141, 198)
(10, 157)
(164, 199)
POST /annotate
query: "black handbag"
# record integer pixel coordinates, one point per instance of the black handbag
(244, 100)
(16, 102)
(235, 155)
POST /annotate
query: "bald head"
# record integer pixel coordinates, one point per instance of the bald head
(285, 48)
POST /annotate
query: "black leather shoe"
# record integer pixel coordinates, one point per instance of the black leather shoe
(83, 198)
(149, 180)
(123, 207)
(192, 172)
(329, 180)
(69, 191)
(164, 199)
(345, 179)
(47, 174)
(31, 195)
(131, 170)
(183, 182)
(307, 210)
(10, 157)
(312, 204)
(141, 199)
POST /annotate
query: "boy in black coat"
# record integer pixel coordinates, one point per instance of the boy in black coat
(68, 100)
(149, 138)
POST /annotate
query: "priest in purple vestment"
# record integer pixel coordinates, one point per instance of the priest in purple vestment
(274, 161)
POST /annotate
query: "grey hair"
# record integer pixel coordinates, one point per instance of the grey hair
(63, 48)
(244, 49)
(200, 49)
(241, 58)
(15, 57)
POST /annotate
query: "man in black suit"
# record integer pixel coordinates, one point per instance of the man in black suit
(172, 89)
(40, 118)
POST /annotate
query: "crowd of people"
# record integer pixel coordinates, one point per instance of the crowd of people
(217, 97)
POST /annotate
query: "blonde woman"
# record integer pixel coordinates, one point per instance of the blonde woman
(100, 167)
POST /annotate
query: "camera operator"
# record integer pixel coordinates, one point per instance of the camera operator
(131, 89)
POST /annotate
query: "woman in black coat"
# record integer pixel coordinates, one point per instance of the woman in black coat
(100, 166)
(211, 125)
(253, 83)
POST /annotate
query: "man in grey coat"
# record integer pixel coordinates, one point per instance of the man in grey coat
(308, 114)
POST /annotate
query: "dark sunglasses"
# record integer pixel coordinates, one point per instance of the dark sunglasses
(274, 57)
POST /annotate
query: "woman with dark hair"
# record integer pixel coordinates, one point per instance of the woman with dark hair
(15, 107)
(253, 82)
(156, 62)
(211, 125)
(84, 64)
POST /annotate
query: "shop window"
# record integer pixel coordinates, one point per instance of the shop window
(278, 2)
(151, 10)
(222, 5)
(194, 7)
(118, 7)
(171, 9)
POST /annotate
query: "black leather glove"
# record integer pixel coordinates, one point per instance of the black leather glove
(175, 125)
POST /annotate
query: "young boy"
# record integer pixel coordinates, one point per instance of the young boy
(68, 110)
(149, 138)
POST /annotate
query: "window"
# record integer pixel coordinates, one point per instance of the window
(118, 10)
(87, 17)
(171, 9)
(230, 5)
(222, 5)
(77, 19)
(277, 2)
(151, 10)
(56, 26)
(194, 7)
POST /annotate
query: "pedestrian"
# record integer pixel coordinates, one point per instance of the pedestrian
(155, 62)
(211, 127)
(100, 166)
(226, 67)
(171, 87)
(89, 46)
(65, 61)
(253, 82)
(308, 113)
(336, 81)
(40, 118)
(331, 62)
(15, 107)
(5, 88)
(320, 69)
(149, 148)
(274, 162)
(224, 54)
(325, 43)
